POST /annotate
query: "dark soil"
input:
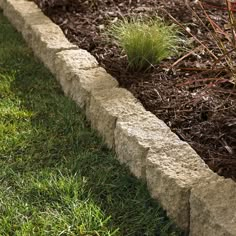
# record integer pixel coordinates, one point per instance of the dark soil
(196, 102)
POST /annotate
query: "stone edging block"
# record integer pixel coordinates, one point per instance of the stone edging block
(45, 38)
(213, 207)
(176, 176)
(80, 76)
(18, 11)
(173, 169)
(109, 105)
(134, 136)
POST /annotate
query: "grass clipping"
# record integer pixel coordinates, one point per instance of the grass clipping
(146, 42)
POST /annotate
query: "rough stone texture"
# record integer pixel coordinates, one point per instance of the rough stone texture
(213, 208)
(42, 35)
(80, 84)
(109, 105)
(79, 75)
(172, 169)
(68, 65)
(17, 10)
(135, 135)
(71, 61)
(89, 82)
(46, 42)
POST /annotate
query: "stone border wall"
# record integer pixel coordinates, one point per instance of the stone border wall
(196, 199)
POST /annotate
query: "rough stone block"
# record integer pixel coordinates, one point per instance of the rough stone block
(71, 61)
(109, 105)
(172, 169)
(80, 84)
(46, 41)
(135, 135)
(17, 10)
(213, 208)
(79, 75)
(40, 32)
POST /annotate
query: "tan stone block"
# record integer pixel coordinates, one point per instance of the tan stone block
(172, 169)
(81, 84)
(135, 135)
(46, 41)
(17, 10)
(107, 106)
(68, 62)
(39, 31)
(213, 208)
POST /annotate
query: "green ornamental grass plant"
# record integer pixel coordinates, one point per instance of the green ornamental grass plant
(146, 42)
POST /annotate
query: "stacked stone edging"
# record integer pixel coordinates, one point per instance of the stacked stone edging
(193, 196)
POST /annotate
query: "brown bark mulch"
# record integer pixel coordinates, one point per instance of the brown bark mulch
(197, 103)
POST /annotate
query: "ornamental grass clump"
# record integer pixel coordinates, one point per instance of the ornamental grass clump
(146, 42)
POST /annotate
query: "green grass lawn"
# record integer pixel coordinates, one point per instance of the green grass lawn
(56, 176)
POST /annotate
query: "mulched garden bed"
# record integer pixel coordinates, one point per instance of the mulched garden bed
(197, 103)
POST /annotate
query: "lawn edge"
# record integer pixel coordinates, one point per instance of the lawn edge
(193, 196)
